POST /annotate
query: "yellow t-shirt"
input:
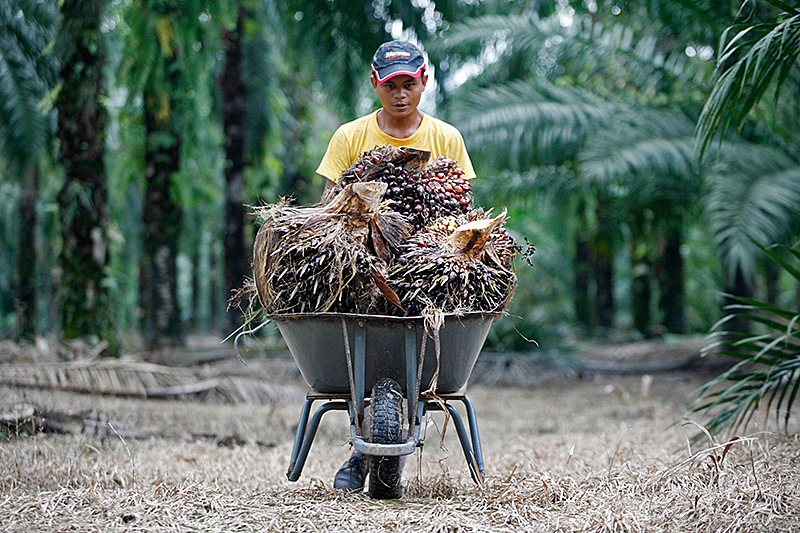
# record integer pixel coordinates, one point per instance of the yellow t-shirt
(363, 134)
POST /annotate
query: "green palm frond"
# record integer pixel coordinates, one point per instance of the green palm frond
(27, 73)
(341, 37)
(586, 43)
(754, 195)
(525, 30)
(263, 48)
(650, 147)
(540, 124)
(645, 56)
(751, 61)
(143, 51)
(156, 31)
(508, 186)
(767, 374)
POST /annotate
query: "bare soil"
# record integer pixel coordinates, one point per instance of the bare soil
(602, 453)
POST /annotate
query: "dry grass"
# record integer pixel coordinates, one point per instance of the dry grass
(564, 456)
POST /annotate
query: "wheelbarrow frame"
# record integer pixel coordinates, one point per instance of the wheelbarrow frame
(461, 339)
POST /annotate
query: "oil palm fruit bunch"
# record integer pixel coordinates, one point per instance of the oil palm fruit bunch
(400, 169)
(447, 190)
(395, 236)
(457, 264)
(322, 258)
(500, 248)
(406, 194)
(310, 266)
(420, 195)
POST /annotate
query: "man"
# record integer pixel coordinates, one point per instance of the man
(398, 77)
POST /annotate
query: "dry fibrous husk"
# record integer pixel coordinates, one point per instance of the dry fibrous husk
(458, 264)
(322, 258)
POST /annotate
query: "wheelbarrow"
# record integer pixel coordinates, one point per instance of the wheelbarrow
(351, 361)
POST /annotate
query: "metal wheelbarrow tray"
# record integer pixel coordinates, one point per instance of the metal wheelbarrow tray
(384, 347)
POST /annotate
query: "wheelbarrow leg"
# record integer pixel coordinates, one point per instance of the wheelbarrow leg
(475, 436)
(474, 460)
(302, 424)
(299, 457)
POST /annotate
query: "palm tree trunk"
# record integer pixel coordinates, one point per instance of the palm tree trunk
(797, 295)
(602, 247)
(737, 286)
(771, 278)
(162, 219)
(216, 286)
(641, 290)
(604, 274)
(671, 280)
(583, 268)
(234, 93)
(86, 305)
(25, 285)
(294, 180)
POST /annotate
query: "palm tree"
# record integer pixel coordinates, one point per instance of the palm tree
(164, 67)
(248, 81)
(632, 158)
(86, 301)
(765, 375)
(26, 75)
(154, 28)
(759, 56)
(234, 94)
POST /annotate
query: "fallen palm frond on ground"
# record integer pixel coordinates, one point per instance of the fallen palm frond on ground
(138, 379)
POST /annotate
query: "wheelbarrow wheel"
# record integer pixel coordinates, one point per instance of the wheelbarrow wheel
(387, 428)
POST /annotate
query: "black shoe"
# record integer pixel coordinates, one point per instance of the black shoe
(352, 474)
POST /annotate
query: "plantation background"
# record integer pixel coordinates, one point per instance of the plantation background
(137, 133)
(647, 149)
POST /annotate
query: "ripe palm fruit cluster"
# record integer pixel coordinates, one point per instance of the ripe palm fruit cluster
(500, 247)
(310, 267)
(421, 196)
(448, 191)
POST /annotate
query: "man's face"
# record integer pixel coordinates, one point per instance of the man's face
(400, 95)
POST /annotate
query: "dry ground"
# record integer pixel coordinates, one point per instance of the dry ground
(565, 455)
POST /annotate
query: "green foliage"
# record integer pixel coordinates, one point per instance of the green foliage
(597, 90)
(645, 154)
(753, 194)
(758, 56)
(541, 308)
(339, 38)
(563, 103)
(530, 123)
(8, 243)
(766, 376)
(27, 73)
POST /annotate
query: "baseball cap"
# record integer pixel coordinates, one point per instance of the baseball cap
(395, 58)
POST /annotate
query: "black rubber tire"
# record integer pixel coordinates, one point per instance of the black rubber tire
(387, 428)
